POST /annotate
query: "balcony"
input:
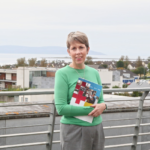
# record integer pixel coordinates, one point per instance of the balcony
(35, 125)
(6, 80)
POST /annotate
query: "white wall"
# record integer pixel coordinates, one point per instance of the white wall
(117, 83)
(8, 76)
(36, 98)
(23, 74)
(106, 76)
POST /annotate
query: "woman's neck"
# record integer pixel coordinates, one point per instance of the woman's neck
(81, 66)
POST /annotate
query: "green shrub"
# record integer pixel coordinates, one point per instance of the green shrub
(125, 85)
(105, 87)
(115, 86)
(135, 94)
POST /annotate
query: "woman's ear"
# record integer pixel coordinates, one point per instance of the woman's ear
(88, 50)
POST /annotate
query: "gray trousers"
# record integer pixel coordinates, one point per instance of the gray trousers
(74, 137)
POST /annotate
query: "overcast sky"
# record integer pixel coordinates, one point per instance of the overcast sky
(113, 26)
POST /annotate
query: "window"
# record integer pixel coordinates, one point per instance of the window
(26, 99)
(113, 77)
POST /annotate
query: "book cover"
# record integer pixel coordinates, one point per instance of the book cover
(86, 93)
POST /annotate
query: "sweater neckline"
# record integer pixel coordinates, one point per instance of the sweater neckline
(79, 70)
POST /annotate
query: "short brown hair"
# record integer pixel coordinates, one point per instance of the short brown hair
(77, 36)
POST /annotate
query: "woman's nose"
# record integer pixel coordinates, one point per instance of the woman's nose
(78, 51)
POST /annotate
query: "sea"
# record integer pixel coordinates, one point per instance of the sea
(12, 58)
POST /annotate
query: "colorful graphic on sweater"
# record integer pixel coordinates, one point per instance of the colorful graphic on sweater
(86, 93)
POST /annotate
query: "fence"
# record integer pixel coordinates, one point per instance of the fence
(48, 143)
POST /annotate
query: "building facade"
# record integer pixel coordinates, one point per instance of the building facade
(8, 77)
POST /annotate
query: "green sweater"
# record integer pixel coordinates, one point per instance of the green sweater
(65, 82)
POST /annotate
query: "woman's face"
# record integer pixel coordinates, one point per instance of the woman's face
(78, 52)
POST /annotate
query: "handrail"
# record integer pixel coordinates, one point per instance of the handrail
(17, 93)
(50, 125)
(51, 91)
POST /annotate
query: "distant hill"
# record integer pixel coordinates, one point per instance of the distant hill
(39, 50)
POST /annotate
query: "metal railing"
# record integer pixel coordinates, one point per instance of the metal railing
(52, 114)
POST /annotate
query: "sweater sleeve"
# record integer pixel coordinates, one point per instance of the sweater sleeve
(61, 94)
(101, 99)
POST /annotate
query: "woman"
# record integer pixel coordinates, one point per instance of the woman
(76, 134)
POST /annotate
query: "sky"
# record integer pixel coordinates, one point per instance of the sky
(113, 27)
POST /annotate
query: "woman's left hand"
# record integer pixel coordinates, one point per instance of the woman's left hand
(98, 109)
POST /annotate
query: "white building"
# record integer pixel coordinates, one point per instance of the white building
(36, 98)
(35, 77)
(27, 77)
(7, 78)
(110, 78)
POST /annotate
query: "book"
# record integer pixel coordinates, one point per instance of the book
(86, 93)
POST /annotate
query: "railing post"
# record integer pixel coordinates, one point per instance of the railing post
(138, 120)
(51, 126)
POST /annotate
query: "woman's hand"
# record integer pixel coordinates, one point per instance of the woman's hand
(98, 109)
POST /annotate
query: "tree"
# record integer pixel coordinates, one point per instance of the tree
(149, 66)
(105, 65)
(148, 58)
(21, 62)
(135, 71)
(126, 62)
(88, 60)
(98, 62)
(139, 62)
(122, 58)
(120, 64)
(43, 62)
(140, 71)
(32, 61)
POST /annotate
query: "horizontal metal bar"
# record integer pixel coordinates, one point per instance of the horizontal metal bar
(120, 119)
(126, 89)
(51, 91)
(127, 135)
(24, 126)
(24, 104)
(17, 93)
(120, 145)
(27, 114)
(120, 100)
(115, 127)
(112, 146)
(125, 119)
(147, 133)
(24, 134)
(109, 146)
(109, 127)
(23, 145)
(125, 126)
(118, 136)
(55, 142)
(144, 124)
(141, 143)
(56, 131)
(121, 126)
(127, 144)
